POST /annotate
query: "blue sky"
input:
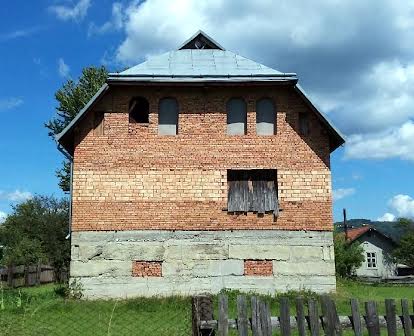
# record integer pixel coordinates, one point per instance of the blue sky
(355, 59)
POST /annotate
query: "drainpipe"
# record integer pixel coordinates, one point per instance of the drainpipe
(70, 158)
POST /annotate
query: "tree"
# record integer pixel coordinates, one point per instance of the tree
(35, 231)
(71, 98)
(404, 253)
(348, 256)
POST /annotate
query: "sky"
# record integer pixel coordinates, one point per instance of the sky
(354, 58)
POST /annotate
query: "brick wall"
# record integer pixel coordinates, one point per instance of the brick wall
(146, 268)
(128, 177)
(258, 267)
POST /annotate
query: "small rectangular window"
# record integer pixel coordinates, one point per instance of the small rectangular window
(252, 190)
(371, 260)
(304, 124)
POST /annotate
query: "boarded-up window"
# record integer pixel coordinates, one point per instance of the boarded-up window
(252, 190)
(236, 117)
(98, 123)
(265, 117)
(168, 117)
(304, 123)
(139, 110)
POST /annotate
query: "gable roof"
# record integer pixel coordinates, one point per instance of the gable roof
(355, 233)
(211, 63)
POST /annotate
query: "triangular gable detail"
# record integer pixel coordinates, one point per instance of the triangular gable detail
(200, 40)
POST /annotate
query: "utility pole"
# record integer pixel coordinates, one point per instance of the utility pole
(345, 225)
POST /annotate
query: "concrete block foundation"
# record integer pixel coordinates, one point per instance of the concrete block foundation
(196, 262)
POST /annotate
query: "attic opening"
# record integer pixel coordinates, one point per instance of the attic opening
(139, 110)
(253, 190)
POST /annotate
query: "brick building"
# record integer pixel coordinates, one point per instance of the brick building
(199, 170)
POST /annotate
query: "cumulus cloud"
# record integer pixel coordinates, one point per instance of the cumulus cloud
(342, 193)
(63, 68)
(3, 216)
(396, 142)
(357, 65)
(10, 103)
(15, 196)
(387, 217)
(114, 24)
(76, 12)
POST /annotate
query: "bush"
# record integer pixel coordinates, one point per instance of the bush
(348, 256)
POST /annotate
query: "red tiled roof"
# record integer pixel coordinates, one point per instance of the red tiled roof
(357, 232)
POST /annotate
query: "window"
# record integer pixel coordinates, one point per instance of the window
(304, 124)
(252, 191)
(371, 260)
(168, 117)
(236, 117)
(265, 117)
(139, 110)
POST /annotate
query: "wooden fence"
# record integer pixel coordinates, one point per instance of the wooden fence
(261, 323)
(19, 276)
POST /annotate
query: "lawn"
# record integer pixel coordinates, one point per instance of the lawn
(40, 311)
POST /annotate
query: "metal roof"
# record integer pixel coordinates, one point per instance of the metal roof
(201, 65)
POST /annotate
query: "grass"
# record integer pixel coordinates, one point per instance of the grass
(39, 310)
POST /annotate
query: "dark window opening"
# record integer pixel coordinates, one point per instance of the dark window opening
(252, 190)
(139, 111)
(265, 117)
(168, 117)
(236, 117)
(304, 123)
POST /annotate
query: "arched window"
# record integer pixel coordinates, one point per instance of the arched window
(139, 110)
(236, 117)
(265, 117)
(168, 117)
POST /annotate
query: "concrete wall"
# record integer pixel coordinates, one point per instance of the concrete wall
(383, 248)
(201, 261)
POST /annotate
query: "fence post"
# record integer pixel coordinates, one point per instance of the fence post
(300, 316)
(202, 310)
(313, 317)
(406, 317)
(10, 274)
(265, 319)
(38, 273)
(284, 317)
(390, 313)
(372, 319)
(356, 318)
(328, 323)
(256, 327)
(242, 321)
(223, 319)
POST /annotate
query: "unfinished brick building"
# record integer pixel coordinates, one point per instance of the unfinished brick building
(199, 170)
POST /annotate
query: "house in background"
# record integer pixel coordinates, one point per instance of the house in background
(200, 170)
(378, 248)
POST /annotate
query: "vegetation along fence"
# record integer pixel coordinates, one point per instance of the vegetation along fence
(319, 317)
(19, 276)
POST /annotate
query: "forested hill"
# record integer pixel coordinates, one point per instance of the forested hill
(391, 229)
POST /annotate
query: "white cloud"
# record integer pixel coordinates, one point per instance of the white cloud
(403, 205)
(19, 33)
(63, 68)
(76, 12)
(3, 216)
(15, 196)
(396, 142)
(114, 24)
(387, 217)
(10, 103)
(342, 193)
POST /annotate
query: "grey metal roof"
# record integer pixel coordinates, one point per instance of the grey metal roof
(201, 65)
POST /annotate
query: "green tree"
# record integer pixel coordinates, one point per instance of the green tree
(404, 253)
(35, 231)
(348, 256)
(71, 98)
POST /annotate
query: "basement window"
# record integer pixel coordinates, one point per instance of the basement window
(139, 110)
(265, 117)
(304, 124)
(168, 117)
(236, 117)
(371, 260)
(253, 190)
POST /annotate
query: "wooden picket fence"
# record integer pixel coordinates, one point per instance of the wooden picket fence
(261, 323)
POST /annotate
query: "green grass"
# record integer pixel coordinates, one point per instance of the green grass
(40, 311)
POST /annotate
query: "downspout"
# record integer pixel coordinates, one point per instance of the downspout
(70, 158)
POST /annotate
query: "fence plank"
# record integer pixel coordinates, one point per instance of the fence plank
(265, 319)
(300, 316)
(372, 319)
(242, 321)
(406, 317)
(223, 319)
(328, 321)
(313, 317)
(336, 322)
(284, 317)
(256, 329)
(390, 313)
(356, 317)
